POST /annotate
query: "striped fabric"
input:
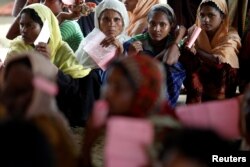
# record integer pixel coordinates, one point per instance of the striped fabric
(71, 33)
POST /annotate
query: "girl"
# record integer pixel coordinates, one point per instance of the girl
(215, 52)
(160, 40)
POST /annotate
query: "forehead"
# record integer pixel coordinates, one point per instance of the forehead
(110, 13)
(208, 9)
(25, 17)
(158, 16)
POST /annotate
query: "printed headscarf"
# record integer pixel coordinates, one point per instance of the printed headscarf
(63, 58)
(225, 43)
(147, 76)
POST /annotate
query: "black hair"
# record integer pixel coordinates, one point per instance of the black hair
(171, 17)
(23, 144)
(24, 61)
(195, 144)
(33, 15)
(213, 5)
(119, 65)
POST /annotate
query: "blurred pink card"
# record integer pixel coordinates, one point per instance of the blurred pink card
(45, 85)
(101, 55)
(127, 141)
(220, 116)
(100, 113)
(193, 37)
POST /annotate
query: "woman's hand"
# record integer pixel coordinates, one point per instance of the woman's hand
(44, 49)
(135, 48)
(180, 32)
(112, 41)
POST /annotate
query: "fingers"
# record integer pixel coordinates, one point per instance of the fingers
(137, 46)
(43, 49)
(108, 41)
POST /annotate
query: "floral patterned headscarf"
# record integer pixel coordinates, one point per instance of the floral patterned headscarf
(147, 77)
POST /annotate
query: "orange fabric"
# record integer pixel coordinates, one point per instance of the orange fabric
(138, 18)
(225, 43)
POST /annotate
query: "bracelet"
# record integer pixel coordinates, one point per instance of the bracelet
(177, 44)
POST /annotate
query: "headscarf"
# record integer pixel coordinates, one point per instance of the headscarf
(226, 41)
(114, 5)
(147, 77)
(43, 110)
(65, 61)
(140, 13)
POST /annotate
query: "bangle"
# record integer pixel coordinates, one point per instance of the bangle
(177, 44)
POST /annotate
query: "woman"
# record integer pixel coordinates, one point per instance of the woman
(138, 11)
(111, 18)
(76, 93)
(31, 96)
(31, 22)
(28, 93)
(161, 40)
(134, 88)
(216, 52)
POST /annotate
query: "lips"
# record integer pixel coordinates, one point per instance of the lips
(206, 26)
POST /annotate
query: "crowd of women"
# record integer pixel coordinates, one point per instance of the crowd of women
(46, 87)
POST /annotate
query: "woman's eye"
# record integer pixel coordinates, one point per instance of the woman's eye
(163, 25)
(152, 24)
(117, 19)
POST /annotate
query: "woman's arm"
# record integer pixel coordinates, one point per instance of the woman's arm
(207, 58)
(172, 53)
(13, 31)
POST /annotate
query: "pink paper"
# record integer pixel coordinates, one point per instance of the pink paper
(127, 141)
(45, 85)
(102, 56)
(68, 2)
(220, 116)
(100, 112)
(193, 37)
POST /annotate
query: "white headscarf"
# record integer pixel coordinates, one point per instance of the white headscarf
(115, 5)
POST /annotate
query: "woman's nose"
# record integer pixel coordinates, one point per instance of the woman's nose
(206, 19)
(157, 27)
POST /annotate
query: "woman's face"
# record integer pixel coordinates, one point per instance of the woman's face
(18, 89)
(118, 92)
(29, 29)
(130, 4)
(158, 26)
(211, 19)
(111, 23)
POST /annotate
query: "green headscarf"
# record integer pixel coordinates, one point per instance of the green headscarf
(61, 54)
